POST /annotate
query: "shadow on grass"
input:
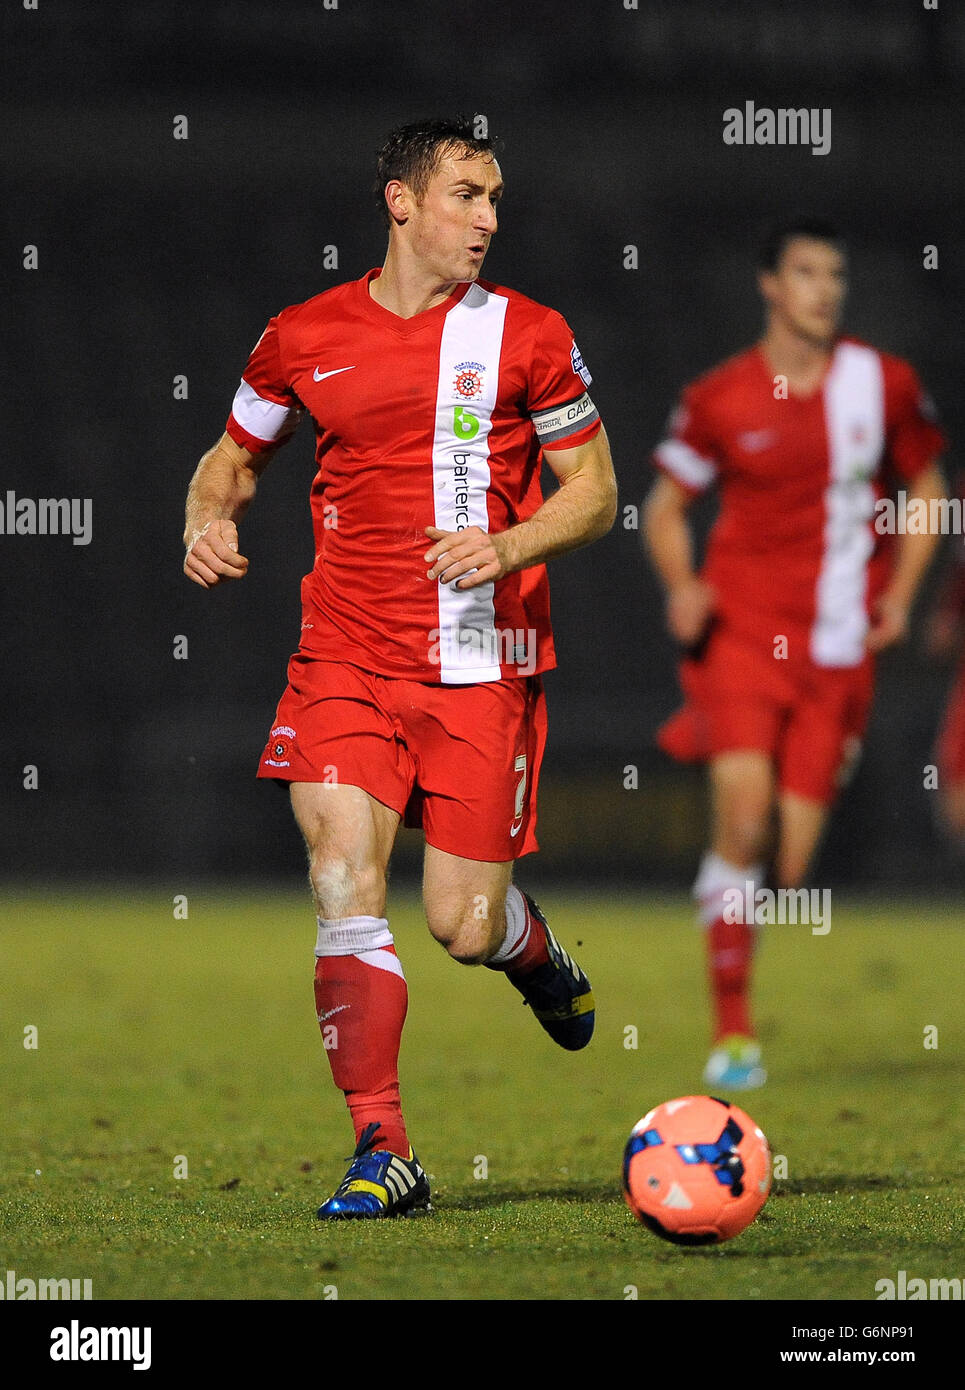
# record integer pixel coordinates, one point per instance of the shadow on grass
(580, 1193)
(608, 1194)
(883, 1068)
(850, 1182)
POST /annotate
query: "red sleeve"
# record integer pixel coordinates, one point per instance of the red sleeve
(265, 411)
(559, 407)
(687, 453)
(913, 437)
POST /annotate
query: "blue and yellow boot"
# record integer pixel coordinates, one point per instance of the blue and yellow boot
(378, 1184)
(558, 992)
(735, 1064)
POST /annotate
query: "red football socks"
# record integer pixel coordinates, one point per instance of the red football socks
(361, 1003)
(725, 891)
(524, 945)
(730, 948)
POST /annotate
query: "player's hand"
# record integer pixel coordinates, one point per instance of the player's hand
(889, 623)
(213, 555)
(689, 608)
(472, 553)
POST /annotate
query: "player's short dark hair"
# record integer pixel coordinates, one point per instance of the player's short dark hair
(412, 153)
(775, 240)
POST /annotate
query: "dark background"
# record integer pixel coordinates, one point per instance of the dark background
(160, 257)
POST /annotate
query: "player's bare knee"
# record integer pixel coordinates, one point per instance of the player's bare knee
(470, 932)
(465, 942)
(745, 840)
(344, 889)
(469, 950)
(755, 832)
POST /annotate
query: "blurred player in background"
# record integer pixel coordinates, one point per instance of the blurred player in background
(416, 690)
(779, 629)
(945, 636)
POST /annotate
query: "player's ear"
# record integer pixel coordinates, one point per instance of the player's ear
(397, 198)
(765, 283)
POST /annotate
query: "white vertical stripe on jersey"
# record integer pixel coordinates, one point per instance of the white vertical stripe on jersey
(468, 642)
(854, 409)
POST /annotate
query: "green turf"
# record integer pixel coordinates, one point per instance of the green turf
(161, 1037)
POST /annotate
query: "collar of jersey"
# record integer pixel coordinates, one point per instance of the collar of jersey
(418, 321)
(818, 391)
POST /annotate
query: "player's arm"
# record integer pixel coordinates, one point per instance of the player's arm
(582, 509)
(890, 618)
(219, 494)
(667, 539)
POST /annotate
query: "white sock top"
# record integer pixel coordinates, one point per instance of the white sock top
(517, 918)
(716, 877)
(348, 936)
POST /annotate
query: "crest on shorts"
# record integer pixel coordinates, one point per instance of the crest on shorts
(279, 746)
(469, 380)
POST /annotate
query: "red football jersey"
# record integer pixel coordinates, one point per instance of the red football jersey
(794, 546)
(439, 420)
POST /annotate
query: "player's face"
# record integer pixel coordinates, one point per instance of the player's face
(450, 228)
(806, 291)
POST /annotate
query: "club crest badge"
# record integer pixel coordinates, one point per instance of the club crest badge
(279, 746)
(468, 383)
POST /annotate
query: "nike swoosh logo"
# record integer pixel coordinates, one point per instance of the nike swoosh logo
(514, 831)
(755, 440)
(337, 1010)
(320, 376)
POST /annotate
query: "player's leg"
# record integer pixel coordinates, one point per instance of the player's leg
(742, 805)
(360, 992)
(481, 918)
(465, 904)
(736, 698)
(819, 752)
(479, 750)
(349, 837)
(801, 823)
(742, 811)
(350, 777)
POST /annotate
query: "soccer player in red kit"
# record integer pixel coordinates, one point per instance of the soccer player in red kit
(416, 690)
(800, 434)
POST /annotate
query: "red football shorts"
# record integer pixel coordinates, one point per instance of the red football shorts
(950, 754)
(461, 761)
(810, 719)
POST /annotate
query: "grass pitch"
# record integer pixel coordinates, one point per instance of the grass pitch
(166, 1045)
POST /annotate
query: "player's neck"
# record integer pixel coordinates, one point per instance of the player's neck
(406, 288)
(802, 360)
